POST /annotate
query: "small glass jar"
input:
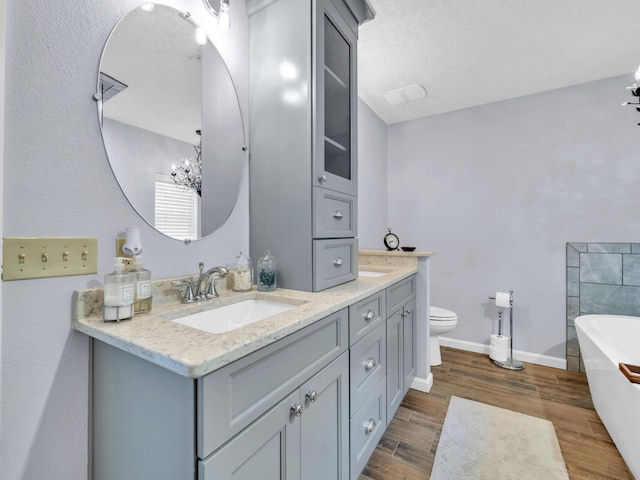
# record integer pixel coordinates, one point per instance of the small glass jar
(267, 273)
(241, 272)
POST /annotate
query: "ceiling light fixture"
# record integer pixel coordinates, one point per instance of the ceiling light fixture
(222, 14)
(635, 91)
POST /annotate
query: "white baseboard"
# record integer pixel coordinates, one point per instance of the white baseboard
(555, 362)
(423, 384)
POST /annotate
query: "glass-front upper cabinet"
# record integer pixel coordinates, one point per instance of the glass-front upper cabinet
(335, 159)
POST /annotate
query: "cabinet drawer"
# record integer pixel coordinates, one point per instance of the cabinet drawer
(400, 293)
(334, 262)
(334, 214)
(366, 315)
(367, 367)
(367, 428)
(229, 399)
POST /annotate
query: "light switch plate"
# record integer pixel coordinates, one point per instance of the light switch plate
(41, 257)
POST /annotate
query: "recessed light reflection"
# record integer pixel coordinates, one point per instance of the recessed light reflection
(201, 36)
(294, 96)
(288, 71)
(147, 7)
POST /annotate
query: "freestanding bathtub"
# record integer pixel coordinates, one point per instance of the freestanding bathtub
(606, 340)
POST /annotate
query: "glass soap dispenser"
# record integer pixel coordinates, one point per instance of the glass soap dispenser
(142, 292)
(241, 272)
(267, 272)
(119, 288)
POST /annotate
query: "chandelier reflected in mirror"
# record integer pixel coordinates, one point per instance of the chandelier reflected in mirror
(188, 175)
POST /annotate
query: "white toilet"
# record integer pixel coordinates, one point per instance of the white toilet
(440, 321)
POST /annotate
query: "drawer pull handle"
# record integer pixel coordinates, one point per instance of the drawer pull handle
(369, 426)
(370, 363)
(369, 315)
(322, 178)
(311, 396)
(406, 313)
(338, 261)
(338, 214)
(296, 410)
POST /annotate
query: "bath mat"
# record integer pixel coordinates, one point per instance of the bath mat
(482, 442)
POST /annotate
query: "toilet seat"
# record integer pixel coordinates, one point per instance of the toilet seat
(441, 314)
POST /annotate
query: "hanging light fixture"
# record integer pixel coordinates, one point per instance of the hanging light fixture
(635, 91)
(222, 14)
(189, 174)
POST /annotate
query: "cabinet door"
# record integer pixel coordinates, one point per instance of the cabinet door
(325, 423)
(409, 344)
(269, 449)
(395, 362)
(335, 158)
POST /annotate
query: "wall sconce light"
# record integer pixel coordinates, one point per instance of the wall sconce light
(222, 14)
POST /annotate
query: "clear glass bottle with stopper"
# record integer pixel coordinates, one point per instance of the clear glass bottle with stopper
(267, 272)
(241, 272)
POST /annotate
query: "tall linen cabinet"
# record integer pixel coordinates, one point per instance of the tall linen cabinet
(303, 138)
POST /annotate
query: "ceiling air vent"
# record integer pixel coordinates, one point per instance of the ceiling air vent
(412, 93)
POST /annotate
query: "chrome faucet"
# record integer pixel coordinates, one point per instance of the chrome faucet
(195, 291)
(211, 276)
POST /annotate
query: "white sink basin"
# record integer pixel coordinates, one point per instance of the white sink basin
(230, 317)
(370, 273)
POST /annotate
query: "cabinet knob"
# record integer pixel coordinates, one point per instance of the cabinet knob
(370, 363)
(296, 410)
(311, 396)
(338, 214)
(338, 261)
(369, 426)
(322, 178)
(369, 315)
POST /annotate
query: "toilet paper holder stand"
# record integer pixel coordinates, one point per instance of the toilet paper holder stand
(511, 363)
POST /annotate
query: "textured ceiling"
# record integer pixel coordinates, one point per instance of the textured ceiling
(473, 52)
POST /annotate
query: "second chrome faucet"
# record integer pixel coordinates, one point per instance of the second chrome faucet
(205, 287)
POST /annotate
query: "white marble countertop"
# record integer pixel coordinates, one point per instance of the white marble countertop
(194, 353)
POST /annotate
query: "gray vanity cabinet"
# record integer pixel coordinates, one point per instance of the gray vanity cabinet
(368, 367)
(281, 412)
(269, 449)
(142, 419)
(401, 342)
(305, 436)
(303, 138)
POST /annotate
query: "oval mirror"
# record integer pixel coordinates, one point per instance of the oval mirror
(171, 122)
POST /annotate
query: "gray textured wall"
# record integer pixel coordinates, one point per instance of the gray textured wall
(372, 178)
(57, 182)
(497, 191)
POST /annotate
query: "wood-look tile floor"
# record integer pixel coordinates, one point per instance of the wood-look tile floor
(408, 447)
